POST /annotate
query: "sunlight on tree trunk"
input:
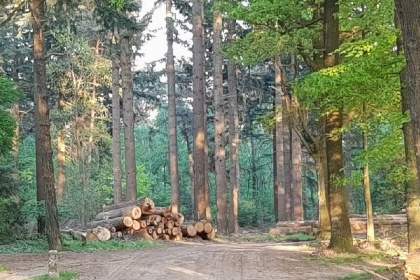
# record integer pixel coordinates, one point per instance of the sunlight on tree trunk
(297, 178)
(198, 112)
(172, 120)
(128, 117)
(234, 139)
(116, 130)
(219, 122)
(280, 188)
(46, 194)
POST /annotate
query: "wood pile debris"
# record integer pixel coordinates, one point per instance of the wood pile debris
(142, 219)
(382, 223)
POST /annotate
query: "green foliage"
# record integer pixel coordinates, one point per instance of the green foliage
(40, 245)
(3, 268)
(299, 237)
(64, 275)
(347, 258)
(8, 95)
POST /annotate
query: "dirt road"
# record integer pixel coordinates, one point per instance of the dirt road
(185, 261)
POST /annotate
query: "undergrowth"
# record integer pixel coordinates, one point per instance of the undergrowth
(346, 258)
(268, 238)
(64, 275)
(3, 268)
(365, 275)
(40, 245)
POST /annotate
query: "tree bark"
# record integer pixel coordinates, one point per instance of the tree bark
(198, 112)
(61, 155)
(219, 122)
(280, 187)
(407, 17)
(116, 130)
(172, 121)
(341, 237)
(370, 227)
(323, 194)
(128, 117)
(15, 148)
(347, 141)
(44, 168)
(297, 178)
(234, 139)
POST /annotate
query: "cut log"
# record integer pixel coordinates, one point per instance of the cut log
(199, 227)
(168, 231)
(165, 237)
(297, 223)
(209, 236)
(124, 204)
(130, 211)
(118, 223)
(102, 233)
(169, 224)
(175, 230)
(143, 234)
(207, 227)
(142, 224)
(282, 231)
(161, 225)
(158, 230)
(155, 235)
(75, 235)
(90, 236)
(157, 218)
(116, 235)
(136, 225)
(128, 222)
(157, 211)
(180, 219)
(188, 231)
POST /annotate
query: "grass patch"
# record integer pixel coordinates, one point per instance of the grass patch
(64, 275)
(346, 258)
(41, 246)
(366, 275)
(3, 268)
(268, 238)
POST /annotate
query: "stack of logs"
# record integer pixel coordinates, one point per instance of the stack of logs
(143, 219)
(382, 223)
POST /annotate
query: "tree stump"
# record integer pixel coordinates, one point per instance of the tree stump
(53, 264)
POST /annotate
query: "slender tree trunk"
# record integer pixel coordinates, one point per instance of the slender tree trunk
(172, 121)
(370, 228)
(347, 140)
(287, 147)
(128, 117)
(61, 155)
(91, 144)
(234, 140)
(45, 168)
(116, 130)
(280, 184)
(15, 148)
(198, 112)
(407, 17)
(297, 178)
(219, 122)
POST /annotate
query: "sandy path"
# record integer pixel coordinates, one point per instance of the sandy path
(183, 262)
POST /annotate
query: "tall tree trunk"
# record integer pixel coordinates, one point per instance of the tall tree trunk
(347, 140)
(44, 168)
(297, 178)
(234, 139)
(15, 148)
(172, 121)
(92, 117)
(219, 122)
(407, 17)
(287, 147)
(370, 228)
(198, 112)
(280, 184)
(128, 117)
(61, 156)
(116, 130)
(341, 237)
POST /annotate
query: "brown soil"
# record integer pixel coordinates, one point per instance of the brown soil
(186, 260)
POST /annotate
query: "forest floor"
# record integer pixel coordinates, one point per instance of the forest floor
(193, 260)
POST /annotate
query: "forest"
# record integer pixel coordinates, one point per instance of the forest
(282, 111)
